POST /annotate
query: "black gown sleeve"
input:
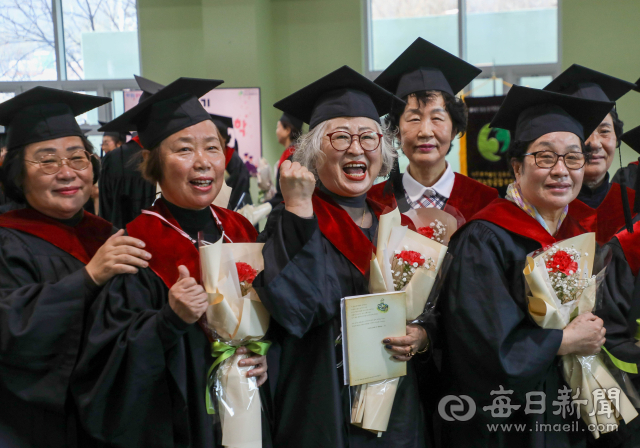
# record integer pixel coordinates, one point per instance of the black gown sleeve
(621, 307)
(40, 323)
(491, 339)
(302, 286)
(123, 374)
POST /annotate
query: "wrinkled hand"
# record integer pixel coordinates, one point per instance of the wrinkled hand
(583, 336)
(118, 255)
(260, 363)
(401, 347)
(297, 184)
(187, 298)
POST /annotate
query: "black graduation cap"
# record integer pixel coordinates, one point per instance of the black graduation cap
(342, 93)
(424, 66)
(116, 135)
(637, 87)
(530, 113)
(291, 121)
(42, 113)
(582, 82)
(169, 110)
(632, 139)
(147, 86)
(223, 124)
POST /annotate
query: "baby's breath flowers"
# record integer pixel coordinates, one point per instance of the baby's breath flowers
(564, 273)
(404, 265)
(435, 231)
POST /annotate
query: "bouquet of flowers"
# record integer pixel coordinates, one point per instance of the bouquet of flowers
(235, 317)
(405, 261)
(562, 286)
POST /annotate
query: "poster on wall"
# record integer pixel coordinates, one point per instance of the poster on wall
(486, 147)
(242, 105)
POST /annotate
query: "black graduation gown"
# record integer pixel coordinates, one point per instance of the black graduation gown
(490, 338)
(141, 379)
(123, 191)
(619, 311)
(304, 279)
(239, 180)
(45, 294)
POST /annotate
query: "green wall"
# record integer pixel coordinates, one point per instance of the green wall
(277, 45)
(282, 45)
(605, 36)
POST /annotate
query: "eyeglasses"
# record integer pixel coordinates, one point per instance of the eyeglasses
(341, 140)
(548, 159)
(51, 163)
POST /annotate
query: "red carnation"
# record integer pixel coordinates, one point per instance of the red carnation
(562, 262)
(426, 231)
(411, 257)
(246, 273)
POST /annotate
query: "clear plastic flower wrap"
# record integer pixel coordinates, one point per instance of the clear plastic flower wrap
(417, 264)
(564, 281)
(235, 317)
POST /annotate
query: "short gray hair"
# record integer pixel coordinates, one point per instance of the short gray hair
(309, 149)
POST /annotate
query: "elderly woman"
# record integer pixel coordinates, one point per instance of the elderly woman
(319, 252)
(428, 78)
(54, 259)
(598, 207)
(141, 380)
(491, 341)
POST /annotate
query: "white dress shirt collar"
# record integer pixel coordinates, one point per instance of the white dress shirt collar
(415, 190)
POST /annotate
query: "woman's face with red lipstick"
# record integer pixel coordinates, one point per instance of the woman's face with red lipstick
(192, 166)
(60, 195)
(349, 173)
(426, 131)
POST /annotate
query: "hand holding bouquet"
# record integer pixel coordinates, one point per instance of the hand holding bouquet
(235, 317)
(562, 287)
(405, 261)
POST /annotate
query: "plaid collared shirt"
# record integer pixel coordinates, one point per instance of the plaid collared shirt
(427, 201)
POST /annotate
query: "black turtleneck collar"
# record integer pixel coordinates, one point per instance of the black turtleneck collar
(355, 202)
(193, 221)
(593, 198)
(71, 222)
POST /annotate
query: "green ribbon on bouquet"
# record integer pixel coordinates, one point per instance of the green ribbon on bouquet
(624, 366)
(638, 329)
(222, 351)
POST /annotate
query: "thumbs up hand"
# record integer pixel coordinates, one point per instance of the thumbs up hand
(187, 298)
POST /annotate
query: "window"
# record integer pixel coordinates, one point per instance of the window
(100, 39)
(88, 46)
(513, 41)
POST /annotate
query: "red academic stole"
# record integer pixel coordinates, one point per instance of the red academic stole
(630, 243)
(512, 218)
(286, 154)
(607, 219)
(635, 163)
(137, 140)
(169, 249)
(81, 242)
(228, 153)
(337, 226)
(468, 196)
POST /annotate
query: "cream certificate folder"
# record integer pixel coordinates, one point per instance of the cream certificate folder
(366, 321)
